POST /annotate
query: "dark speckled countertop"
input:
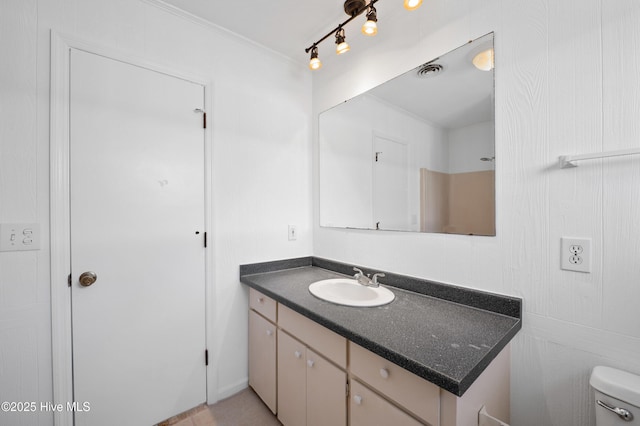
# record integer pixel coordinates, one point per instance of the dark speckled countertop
(445, 334)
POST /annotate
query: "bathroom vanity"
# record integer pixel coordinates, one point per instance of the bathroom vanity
(435, 355)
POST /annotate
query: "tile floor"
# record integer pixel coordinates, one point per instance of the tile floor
(242, 409)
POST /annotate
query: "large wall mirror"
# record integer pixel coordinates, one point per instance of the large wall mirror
(416, 153)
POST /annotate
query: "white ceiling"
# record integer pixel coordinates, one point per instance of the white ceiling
(286, 26)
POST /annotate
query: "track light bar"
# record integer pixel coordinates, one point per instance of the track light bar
(353, 8)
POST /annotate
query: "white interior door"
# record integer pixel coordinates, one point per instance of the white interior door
(137, 221)
(390, 185)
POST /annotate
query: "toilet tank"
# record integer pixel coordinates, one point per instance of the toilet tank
(617, 397)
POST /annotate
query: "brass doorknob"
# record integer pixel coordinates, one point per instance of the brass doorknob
(88, 278)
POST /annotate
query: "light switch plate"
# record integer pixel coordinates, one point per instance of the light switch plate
(293, 232)
(19, 236)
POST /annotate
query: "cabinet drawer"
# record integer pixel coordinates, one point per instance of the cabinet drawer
(266, 306)
(414, 393)
(366, 409)
(331, 345)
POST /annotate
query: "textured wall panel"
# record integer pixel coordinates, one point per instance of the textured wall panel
(18, 110)
(621, 182)
(21, 357)
(549, 398)
(19, 372)
(523, 111)
(575, 127)
(18, 280)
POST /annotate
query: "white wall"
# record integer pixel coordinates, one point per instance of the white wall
(260, 131)
(566, 83)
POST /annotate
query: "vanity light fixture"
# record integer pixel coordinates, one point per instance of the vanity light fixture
(353, 8)
(341, 45)
(484, 60)
(370, 28)
(314, 62)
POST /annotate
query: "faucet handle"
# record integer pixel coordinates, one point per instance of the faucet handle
(362, 278)
(375, 278)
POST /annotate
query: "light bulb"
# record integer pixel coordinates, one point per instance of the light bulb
(314, 62)
(484, 60)
(342, 48)
(370, 28)
(341, 45)
(412, 4)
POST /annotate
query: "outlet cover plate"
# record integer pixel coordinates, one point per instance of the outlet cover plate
(19, 236)
(575, 254)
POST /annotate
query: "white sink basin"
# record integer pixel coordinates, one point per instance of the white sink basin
(345, 291)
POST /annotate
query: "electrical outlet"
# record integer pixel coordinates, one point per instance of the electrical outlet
(293, 232)
(575, 254)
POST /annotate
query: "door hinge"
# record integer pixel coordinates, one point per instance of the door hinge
(206, 357)
(204, 117)
(69, 280)
(347, 389)
(205, 240)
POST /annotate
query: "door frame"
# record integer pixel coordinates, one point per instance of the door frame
(60, 229)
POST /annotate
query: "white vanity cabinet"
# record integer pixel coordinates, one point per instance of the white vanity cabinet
(302, 371)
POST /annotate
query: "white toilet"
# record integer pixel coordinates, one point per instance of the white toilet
(617, 397)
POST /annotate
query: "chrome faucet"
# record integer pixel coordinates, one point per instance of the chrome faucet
(365, 280)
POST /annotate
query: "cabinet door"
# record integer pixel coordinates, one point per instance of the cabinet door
(292, 383)
(367, 408)
(262, 359)
(326, 392)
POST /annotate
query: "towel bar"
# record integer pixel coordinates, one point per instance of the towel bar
(567, 161)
